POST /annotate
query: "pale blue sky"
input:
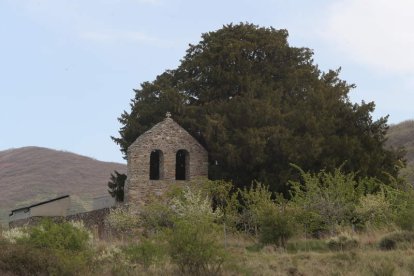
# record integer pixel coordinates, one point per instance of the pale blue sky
(68, 67)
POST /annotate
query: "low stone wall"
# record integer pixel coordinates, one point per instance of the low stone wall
(93, 220)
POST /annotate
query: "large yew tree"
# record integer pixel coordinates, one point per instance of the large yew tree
(258, 105)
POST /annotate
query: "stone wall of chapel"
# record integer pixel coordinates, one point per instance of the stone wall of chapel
(168, 137)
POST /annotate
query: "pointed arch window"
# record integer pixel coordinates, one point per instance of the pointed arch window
(156, 171)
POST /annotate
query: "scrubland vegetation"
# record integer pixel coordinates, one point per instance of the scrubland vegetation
(333, 224)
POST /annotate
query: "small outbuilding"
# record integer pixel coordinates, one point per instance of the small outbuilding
(57, 207)
(163, 155)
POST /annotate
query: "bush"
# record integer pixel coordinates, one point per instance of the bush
(254, 200)
(156, 216)
(25, 259)
(122, 220)
(324, 200)
(275, 227)
(193, 242)
(393, 240)
(48, 248)
(387, 244)
(194, 247)
(60, 236)
(342, 242)
(14, 234)
(146, 253)
(374, 210)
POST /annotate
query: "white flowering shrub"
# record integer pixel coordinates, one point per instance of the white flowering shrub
(79, 224)
(194, 241)
(193, 205)
(14, 234)
(122, 220)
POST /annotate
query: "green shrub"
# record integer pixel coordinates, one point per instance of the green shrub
(193, 241)
(61, 236)
(156, 216)
(275, 227)
(254, 199)
(324, 200)
(342, 242)
(25, 259)
(374, 210)
(195, 248)
(48, 248)
(146, 253)
(405, 218)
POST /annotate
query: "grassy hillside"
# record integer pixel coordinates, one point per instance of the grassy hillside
(33, 174)
(402, 135)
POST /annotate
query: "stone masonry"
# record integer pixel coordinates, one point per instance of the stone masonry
(166, 138)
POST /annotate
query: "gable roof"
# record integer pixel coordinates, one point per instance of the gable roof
(159, 129)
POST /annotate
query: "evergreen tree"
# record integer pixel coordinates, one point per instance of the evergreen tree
(116, 186)
(257, 105)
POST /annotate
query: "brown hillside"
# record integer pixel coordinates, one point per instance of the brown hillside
(402, 135)
(31, 174)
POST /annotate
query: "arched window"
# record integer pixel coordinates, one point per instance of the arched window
(182, 165)
(156, 165)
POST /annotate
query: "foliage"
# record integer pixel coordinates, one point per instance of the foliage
(14, 234)
(156, 216)
(270, 220)
(402, 204)
(116, 186)
(192, 205)
(254, 202)
(324, 199)
(374, 210)
(146, 253)
(122, 220)
(258, 104)
(194, 247)
(60, 236)
(276, 226)
(224, 198)
(48, 248)
(193, 241)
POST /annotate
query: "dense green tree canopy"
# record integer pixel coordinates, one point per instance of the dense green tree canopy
(257, 105)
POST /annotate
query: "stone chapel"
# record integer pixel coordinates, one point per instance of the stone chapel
(161, 156)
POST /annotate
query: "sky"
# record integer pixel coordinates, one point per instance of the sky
(68, 67)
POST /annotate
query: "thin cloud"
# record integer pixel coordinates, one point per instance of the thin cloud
(376, 33)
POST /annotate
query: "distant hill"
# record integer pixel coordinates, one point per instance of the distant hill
(32, 174)
(402, 135)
